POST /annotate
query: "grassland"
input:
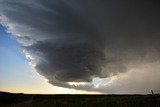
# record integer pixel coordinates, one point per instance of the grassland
(29, 100)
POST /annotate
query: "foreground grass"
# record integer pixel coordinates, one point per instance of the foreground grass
(22, 100)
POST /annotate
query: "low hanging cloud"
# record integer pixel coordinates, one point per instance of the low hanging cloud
(77, 41)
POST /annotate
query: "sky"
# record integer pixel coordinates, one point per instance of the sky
(93, 46)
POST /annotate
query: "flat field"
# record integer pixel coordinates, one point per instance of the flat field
(30, 100)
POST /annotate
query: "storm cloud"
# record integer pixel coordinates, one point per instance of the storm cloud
(77, 41)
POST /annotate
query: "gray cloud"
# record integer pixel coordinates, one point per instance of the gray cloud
(76, 41)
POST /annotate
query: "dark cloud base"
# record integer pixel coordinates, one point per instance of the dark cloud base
(68, 62)
(76, 41)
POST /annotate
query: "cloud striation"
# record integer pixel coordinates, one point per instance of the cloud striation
(77, 41)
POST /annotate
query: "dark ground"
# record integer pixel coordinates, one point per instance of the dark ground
(29, 100)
